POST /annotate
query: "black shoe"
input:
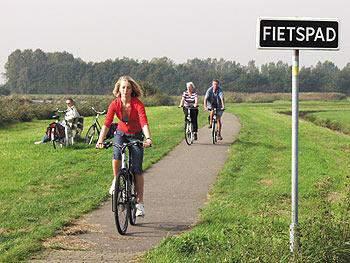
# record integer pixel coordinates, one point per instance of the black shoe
(209, 126)
(195, 137)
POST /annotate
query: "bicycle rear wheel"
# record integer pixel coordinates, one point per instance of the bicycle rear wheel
(91, 133)
(120, 203)
(57, 142)
(132, 206)
(188, 133)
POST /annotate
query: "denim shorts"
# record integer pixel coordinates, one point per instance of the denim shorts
(218, 112)
(135, 151)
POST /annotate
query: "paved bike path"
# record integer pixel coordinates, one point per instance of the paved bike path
(175, 188)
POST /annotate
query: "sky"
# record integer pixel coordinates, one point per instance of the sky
(143, 29)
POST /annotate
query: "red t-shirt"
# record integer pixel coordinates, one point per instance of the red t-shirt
(136, 120)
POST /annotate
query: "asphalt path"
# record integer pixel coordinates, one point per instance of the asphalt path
(175, 188)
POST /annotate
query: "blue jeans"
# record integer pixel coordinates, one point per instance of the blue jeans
(136, 151)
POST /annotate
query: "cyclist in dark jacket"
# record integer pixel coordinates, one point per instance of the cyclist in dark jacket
(214, 98)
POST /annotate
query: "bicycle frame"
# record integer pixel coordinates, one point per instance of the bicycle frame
(95, 127)
(189, 134)
(67, 131)
(129, 196)
(96, 123)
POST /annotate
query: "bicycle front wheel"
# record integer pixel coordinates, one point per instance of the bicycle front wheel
(120, 203)
(91, 133)
(132, 206)
(188, 132)
(213, 132)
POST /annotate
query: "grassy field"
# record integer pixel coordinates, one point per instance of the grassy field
(335, 120)
(248, 215)
(42, 189)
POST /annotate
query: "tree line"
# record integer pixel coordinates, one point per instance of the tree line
(38, 72)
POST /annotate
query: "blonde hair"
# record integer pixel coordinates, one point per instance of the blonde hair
(136, 89)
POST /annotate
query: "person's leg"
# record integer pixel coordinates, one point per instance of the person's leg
(136, 155)
(43, 140)
(115, 167)
(219, 124)
(139, 187)
(185, 113)
(116, 162)
(194, 118)
(211, 119)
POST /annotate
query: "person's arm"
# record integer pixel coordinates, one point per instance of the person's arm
(205, 100)
(195, 101)
(144, 124)
(181, 102)
(222, 100)
(103, 133)
(148, 140)
(75, 112)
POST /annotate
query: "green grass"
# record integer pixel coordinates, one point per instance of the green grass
(335, 120)
(42, 189)
(248, 215)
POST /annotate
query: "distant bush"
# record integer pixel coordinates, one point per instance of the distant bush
(26, 108)
(238, 97)
(158, 99)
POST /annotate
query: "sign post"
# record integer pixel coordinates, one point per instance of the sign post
(294, 233)
(295, 34)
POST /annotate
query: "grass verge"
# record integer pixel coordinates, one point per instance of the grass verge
(334, 120)
(42, 189)
(248, 215)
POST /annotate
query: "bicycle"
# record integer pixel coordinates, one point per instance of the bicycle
(95, 128)
(124, 194)
(214, 130)
(189, 133)
(56, 132)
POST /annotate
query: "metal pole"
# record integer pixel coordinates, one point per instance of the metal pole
(294, 231)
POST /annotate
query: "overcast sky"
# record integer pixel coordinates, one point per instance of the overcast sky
(143, 29)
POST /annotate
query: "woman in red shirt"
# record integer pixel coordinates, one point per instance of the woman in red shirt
(132, 124)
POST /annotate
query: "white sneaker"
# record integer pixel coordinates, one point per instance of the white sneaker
(38, 142)
(111, 189)
(140, 210)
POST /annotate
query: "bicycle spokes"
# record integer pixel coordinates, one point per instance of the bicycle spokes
(120, 204)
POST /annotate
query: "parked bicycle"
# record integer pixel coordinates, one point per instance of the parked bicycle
(189, 133)
(124, 194)
(94, 131)
(214, 128)
(60, 135)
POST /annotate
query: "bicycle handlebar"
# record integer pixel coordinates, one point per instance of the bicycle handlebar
(221, 109)
(191, 108)
(107, 145)
(98, 112)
